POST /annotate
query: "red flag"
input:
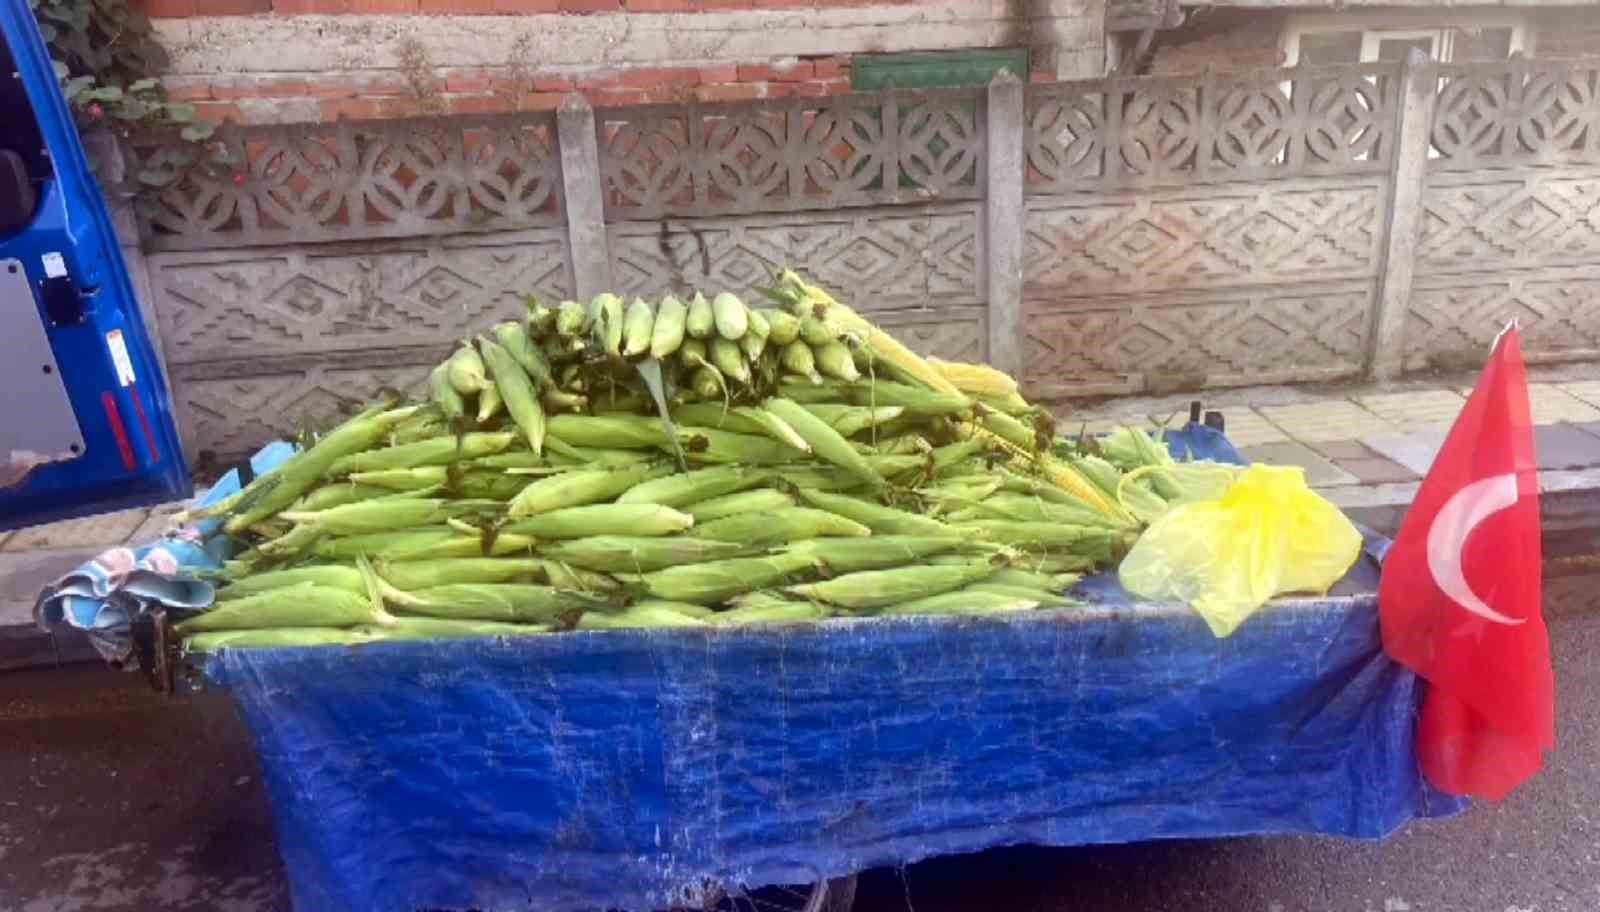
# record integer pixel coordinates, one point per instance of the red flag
(1459, 599)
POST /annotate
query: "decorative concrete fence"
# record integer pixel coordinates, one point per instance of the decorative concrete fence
(1101, 237)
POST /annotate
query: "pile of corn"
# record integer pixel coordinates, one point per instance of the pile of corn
(686, 463)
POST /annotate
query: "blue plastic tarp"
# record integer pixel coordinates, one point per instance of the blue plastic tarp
(628, 768)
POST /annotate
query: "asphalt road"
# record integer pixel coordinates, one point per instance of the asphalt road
(112, 800)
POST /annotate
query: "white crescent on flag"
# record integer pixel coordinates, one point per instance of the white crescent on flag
(1448, 536)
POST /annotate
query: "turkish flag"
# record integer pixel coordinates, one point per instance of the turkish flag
(1459, 598)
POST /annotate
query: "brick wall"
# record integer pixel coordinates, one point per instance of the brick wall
(281, 61)
(1227, 40)
(1566, 34)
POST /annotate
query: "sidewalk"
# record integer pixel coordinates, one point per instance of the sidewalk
(1363, 447)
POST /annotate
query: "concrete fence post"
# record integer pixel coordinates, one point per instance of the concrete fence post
(1408, 178)
(1004, 221)
(585, 205)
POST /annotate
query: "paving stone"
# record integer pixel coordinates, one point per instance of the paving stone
(1565, 446)
(1332, 419)
(1552, 405)
(1245, 427)
(1375, 470)
(1589, 427)
(1416, 410)
(1320, 473)
(103, 530)
(1414, 451)
(1587, 390)
(1343, 449)
(24, 573)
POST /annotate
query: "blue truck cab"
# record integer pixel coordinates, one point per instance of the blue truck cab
(86, 422)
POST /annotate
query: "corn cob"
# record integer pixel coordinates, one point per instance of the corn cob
(834, 360)
(727, 358)
(779, 526)
(977, 379)
(637, 328)
(515, 602)
(706, 382)
(714, 581)
(489, 403)
(848, 555)
(925, 403)
(964, 601)
(615, 431)
(572, 319)
(756, 501)
(301, 605)
(465, 371)
(692, 487)
(271, 638)
(774, 610)
(824, 440)
(700, 322)
(1092, 540)
(425, 574)
(574, 489)
(798, 358)
(666, 334)
(577, 579)
(850, 420)
(881, 588)
(380, 515)
(330, 576)
(705, 445)
(730, 316)
(515, 386)
(754, 340)
(434, 451)
(815, 333)
(878, 518)
(603, 519)
(637, 554)
(782, 327)
(652, 615)
(337, 494)
(444, 394)
(420, 544)
(713, 415)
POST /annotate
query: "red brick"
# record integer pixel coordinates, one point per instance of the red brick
(335, 89)
(590, 6)
(217, 111)
(477, 104)
(642, 78)
(527, 6)
(1041, 76)
(468, 81)
(231, 7)
(383, 6)
(722, 72)
(553, 84)
(732, 91)
(354, 108)
(305, 7)
(813, 89)
(830, 67)
(831, 86)
(617, 98)
(264, 87)
(540, 101)
(169, 9)
(456, 7)
(663, 6)
(187, 91)
(765, 72)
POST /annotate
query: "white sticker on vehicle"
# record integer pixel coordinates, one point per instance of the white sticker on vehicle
(55, 265)
(119, 356)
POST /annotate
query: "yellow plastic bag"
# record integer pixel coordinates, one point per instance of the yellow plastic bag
(1267, 534)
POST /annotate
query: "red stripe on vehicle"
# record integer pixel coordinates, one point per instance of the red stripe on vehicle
(109, 400)
(144, 424)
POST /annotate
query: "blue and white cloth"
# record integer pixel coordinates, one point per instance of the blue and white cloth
(105, 595)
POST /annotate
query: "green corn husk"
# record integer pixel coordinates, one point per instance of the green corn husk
(330, 576)
(667, 333)
(905, 445)
(489, 403)
(782, 327)
(707, 382)
(914, 400)
(465, 372)
(413, 479)
(881, 588)
(834, 360)
(290, 544)
(272, 638)
(572, 319)
(779, 526)
(637, 328)
(715, 581)
(443, 394)
(1043, 582)
(729, 360)
(301, 605)
(686, 488)
(731, 317)
(818, 478)
(850, 420)
(518, 391)
(513, 337)
(1094, 541)
(336, 495)
(275, 490)
(607, 310)
(425, 574)
(961, 602)
(610, 432)
(577, 579)
(1043, 598)
(754, 341)
(1015, 432)
(577, 488)
(809, 393)
(880, 519)
(421, 544)
(1036, 509)
(826, 442)
(603, 519)
(756, 501)
(707, 445)
(815, 333)
(849, 555)
(644, 616)
(797, 358)
(512, 602)
(888, 466)
(637, 554)
(701, 322)
(713, 415)
(380, 515)
(429, 628)
(776, 610)
(434, 451)
(702, 612)
(489, 485)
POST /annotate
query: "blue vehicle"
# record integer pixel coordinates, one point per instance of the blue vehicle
(88, 424)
